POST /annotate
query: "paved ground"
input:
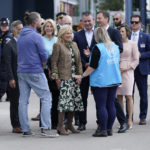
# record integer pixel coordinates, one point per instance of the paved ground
(136, 139)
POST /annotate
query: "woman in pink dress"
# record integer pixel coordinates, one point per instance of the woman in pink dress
(129, 59)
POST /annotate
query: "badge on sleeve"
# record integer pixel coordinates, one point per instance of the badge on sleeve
(7, 40)
(142, 45)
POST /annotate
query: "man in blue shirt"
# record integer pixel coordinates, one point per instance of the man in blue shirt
(32, 57)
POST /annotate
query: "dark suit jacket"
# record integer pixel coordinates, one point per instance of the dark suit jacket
(82, 43)
(144, 49)
(10, 54)
(115, 36)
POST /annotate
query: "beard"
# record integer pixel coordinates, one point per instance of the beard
(118, 24)
(38, 28)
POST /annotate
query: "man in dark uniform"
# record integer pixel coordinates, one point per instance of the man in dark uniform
(10, 55)
(5, 37)
(59, 19)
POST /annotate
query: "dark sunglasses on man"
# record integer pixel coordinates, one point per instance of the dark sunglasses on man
(116, 19)
(134, 22)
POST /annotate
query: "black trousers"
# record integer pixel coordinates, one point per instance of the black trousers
(119, 112)
(14, 103)
(55, 97)
(142, 85)
(84, 87)
(3, 83)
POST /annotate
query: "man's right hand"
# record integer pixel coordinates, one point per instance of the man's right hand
(86, 51)
(12, 84)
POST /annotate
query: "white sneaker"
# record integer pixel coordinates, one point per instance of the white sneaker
(48, 133)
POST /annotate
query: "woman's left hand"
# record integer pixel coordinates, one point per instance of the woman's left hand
(79, 81)
(124, 70)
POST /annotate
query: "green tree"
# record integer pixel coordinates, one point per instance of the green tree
(113, 5)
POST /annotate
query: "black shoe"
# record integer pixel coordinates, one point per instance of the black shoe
(142, 122)
(123, 128)
(109, 132)
(28, 133)
(81, 127)
(102, 133)
(97, 130)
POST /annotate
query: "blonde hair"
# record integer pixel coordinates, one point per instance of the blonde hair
(64, 29)
(101, 36)
(52, 23)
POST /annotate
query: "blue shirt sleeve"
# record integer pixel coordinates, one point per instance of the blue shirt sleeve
(41, 49)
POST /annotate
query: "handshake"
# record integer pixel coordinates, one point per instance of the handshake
(78, 76)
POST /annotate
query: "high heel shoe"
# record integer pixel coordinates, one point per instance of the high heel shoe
(130, 125)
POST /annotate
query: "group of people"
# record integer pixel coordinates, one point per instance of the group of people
(52, 59)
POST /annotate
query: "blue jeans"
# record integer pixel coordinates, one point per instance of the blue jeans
(37, 82)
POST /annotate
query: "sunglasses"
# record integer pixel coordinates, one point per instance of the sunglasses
(116, 19)
(134, 22)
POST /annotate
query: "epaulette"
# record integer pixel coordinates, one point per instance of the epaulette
(7, 39)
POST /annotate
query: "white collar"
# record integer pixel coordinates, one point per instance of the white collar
(15, 39)
(107, 27)
(90, 30)
(136, 33)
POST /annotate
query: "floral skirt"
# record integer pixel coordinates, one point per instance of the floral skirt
(70, 96)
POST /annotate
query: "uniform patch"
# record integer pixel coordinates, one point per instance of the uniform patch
(7, 40)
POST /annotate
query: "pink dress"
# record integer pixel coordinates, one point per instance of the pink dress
(129, 58)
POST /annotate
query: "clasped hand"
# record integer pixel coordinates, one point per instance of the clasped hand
(86, 51)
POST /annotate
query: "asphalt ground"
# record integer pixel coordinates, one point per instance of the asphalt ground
(137, 138)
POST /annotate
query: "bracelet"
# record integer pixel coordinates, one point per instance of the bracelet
(82, 76)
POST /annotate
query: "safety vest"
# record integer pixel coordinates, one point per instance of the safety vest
(108, 72)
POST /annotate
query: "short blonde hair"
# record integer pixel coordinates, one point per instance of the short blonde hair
(52, 23)
(64, 29)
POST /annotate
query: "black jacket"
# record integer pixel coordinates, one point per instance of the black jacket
(10, 55)
(82, 43)
(115, 36)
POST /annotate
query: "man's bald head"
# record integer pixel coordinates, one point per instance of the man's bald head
(67, 20)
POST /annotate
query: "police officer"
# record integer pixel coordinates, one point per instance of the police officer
(59, 19)
(5, 37)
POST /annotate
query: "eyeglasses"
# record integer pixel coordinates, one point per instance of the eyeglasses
(116, 19)
(134, 22)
